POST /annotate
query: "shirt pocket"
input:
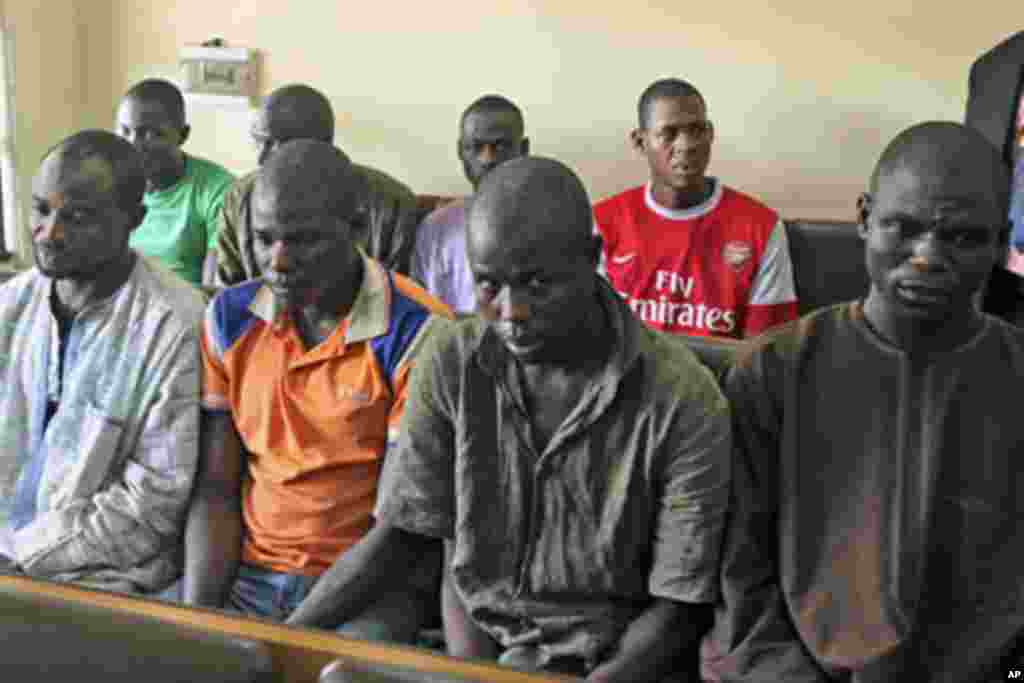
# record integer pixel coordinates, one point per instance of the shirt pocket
(92, 440)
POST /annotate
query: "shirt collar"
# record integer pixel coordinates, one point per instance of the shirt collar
(371, 311)
(93, 306)
(702, 209)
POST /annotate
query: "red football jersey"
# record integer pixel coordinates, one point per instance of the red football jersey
(721, 268)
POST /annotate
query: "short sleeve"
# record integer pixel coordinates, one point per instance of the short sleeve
(773, 297)
(400, 381)
(417, 485)
(695, 496)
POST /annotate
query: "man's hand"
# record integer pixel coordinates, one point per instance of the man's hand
(377, 564)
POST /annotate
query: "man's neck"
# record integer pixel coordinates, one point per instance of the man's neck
(922, 336)
(73, 295)
(168, 179)
(317, 320)
(582, 359)
(685, 198)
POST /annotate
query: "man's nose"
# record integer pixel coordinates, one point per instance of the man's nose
(49, 229)
(280, 259)
(926, 252)
(512, 305)
(488, 155)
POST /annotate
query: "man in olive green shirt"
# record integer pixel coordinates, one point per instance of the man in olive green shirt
(184, 193)
(385, 223)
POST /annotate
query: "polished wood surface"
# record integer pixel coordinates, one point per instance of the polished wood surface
(298, 653)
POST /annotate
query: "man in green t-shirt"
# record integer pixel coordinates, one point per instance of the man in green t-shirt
(184, 193)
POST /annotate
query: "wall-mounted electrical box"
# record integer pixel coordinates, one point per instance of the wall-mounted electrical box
(223, 71)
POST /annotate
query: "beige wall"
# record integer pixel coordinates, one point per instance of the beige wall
(56, 60)
(803, 95)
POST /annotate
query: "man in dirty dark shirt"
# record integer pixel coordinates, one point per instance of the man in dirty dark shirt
(575, 462)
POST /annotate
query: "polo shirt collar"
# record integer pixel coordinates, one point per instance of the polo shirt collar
(371, 311)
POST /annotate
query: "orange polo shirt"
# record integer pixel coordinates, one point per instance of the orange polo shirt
(316, 423)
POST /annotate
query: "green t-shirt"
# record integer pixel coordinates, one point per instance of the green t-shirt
(181, 220)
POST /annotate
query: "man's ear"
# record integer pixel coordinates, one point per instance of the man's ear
(185, 130)
(863, 211)
(711, 131)
(524, 147)
(638, 140)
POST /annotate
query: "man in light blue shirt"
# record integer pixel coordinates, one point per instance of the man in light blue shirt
(491, 131)
(99, 391)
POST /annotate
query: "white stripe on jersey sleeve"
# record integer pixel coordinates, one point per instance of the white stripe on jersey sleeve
(774, 281)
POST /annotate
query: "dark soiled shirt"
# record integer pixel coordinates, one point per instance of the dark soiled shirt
(560, 550)
(878, 529)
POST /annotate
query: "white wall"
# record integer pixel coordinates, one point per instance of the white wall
(803, 94)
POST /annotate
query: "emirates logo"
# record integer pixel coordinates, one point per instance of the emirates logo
(736, 254)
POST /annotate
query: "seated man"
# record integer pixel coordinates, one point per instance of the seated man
(576, 462)
(184, 193)
(306, 370)
(690, 255)
(490, 132)
(99, 413)
(878, 522)
(385, 220)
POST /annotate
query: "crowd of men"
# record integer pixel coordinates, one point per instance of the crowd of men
(489, 419)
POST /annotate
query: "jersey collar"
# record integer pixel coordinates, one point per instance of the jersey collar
(701, 209)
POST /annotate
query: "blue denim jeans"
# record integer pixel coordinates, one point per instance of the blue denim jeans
(395, 618)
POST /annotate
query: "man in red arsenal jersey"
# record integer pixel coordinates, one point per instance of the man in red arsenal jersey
(688, 254)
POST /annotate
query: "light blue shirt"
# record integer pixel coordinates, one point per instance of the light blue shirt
(439, 261)
(99, 494)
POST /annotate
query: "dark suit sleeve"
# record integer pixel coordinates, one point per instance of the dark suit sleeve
(993, 86)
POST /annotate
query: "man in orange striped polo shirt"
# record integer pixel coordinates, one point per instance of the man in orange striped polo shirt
(304, 382)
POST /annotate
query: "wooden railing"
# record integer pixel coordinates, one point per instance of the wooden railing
(299, 654)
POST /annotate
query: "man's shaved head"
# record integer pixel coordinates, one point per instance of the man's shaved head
(538, 198)
(299, 111)
(533, 254)
(934, 224)
(491, 104)
(947, 148)
(118, 155)
(311, 173)
(666, 88)
(302, 206)
(165, 93)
